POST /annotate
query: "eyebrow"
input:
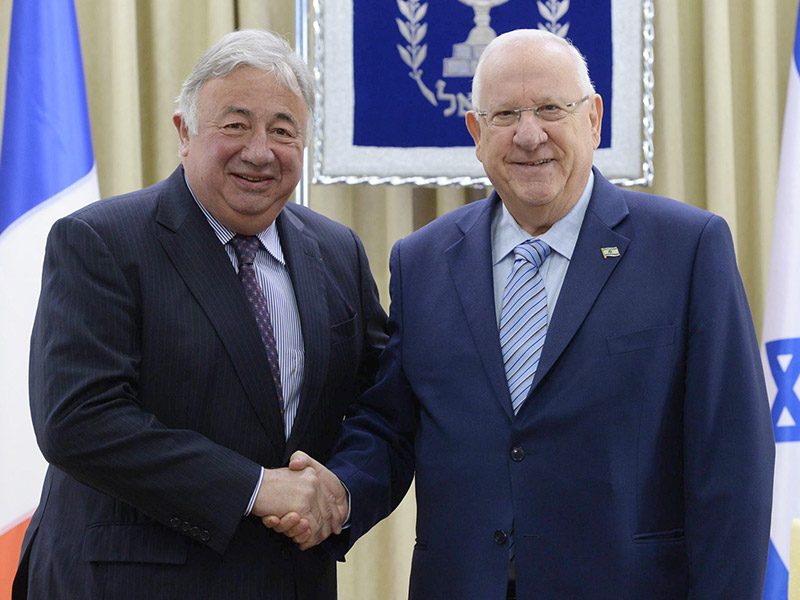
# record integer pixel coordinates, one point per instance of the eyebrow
(541, 102)
(282, 116)
(246, 112)
(237, 110)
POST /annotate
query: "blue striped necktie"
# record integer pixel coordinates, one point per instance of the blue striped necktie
(523, 319)
(246, 247)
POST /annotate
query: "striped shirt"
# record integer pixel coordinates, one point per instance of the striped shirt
(561, 237)
(276, 285)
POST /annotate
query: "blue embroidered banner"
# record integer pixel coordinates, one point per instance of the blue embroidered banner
(435, 90)
(395, 81)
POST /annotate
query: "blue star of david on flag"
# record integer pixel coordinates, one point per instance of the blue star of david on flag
(784, 363)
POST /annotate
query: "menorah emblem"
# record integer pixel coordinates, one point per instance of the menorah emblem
(465, 55)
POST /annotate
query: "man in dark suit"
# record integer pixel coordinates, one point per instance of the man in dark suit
(613, 443)
(167, 392)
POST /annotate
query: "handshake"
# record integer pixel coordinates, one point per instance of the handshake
(305, 502)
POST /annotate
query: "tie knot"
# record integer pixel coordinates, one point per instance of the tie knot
(245, 247)
(534, 251)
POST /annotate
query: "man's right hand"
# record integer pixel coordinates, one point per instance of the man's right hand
(307, 529)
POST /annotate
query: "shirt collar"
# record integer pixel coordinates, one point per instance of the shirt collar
(269, 237)
(507, 234)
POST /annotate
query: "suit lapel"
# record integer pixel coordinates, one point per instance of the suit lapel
(470, 262)
(588, 270)
(306, 269)
(201, 261)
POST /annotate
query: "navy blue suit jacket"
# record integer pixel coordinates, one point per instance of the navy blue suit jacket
(152, 399)
(640, 465)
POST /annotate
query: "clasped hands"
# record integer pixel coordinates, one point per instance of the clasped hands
(305, 502)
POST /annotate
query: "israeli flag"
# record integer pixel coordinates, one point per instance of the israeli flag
(780, 350)
(47, 170)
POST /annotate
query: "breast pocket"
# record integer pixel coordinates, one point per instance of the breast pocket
(654, 337)
(341, 332)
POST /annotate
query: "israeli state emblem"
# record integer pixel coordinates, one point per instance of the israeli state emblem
(461, 63)
(413, 61)
(395, 81)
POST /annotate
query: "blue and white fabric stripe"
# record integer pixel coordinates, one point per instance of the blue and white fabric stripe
(47, 144)
(47, 170)
(780, 348)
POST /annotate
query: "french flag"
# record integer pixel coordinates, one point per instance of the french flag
(47, 170)
(780, 349)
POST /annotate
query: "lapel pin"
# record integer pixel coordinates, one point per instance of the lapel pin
(610, 252)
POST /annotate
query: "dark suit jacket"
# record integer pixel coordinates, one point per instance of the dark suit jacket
(152, 399)
(640, 466)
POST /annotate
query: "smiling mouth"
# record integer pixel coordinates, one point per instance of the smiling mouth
(253, 179)
(536, 163)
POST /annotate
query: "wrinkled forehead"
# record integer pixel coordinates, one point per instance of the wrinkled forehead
(258, 86)
(529, 70)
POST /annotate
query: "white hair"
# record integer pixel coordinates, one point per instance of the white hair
(526, 36)
(255, 48)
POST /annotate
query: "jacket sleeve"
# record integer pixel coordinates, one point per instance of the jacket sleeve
(374, 453)
(85, 354)
(728, 441)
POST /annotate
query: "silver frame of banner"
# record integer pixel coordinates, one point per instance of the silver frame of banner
(645, 178)
(301, 45)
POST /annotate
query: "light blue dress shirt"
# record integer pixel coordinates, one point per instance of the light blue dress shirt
(561, 237)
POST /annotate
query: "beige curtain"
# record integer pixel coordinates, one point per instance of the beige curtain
(720, 71)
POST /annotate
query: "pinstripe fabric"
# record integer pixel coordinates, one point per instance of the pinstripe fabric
(523, 320)
(276, 286)
(152, 399)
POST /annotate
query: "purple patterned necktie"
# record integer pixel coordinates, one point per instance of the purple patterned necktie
(246, 247)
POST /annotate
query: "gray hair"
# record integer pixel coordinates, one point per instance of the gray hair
(247, 48)
(520, 37)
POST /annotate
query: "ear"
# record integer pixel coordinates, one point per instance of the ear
(474, 128)
(183, 133)
(596, 118)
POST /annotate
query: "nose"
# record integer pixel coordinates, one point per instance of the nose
(529, 132)
(257, 149)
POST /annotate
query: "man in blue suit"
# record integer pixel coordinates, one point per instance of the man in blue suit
(190, 337)
(613, 443)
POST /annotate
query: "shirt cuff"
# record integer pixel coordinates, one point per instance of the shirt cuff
(346, 523)
(255, 494)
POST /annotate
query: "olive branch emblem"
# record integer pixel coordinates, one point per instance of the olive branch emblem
(552, 11)
(413, 30)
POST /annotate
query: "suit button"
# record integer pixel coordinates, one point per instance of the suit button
(500, 537)
(186, 527)
(195, 532)
(517, 454)
(205, 535)
(175, 523)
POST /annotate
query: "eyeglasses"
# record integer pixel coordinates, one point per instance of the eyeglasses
(551, 111)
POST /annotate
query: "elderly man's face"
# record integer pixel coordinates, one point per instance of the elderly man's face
(246, 158)
(538, 168)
